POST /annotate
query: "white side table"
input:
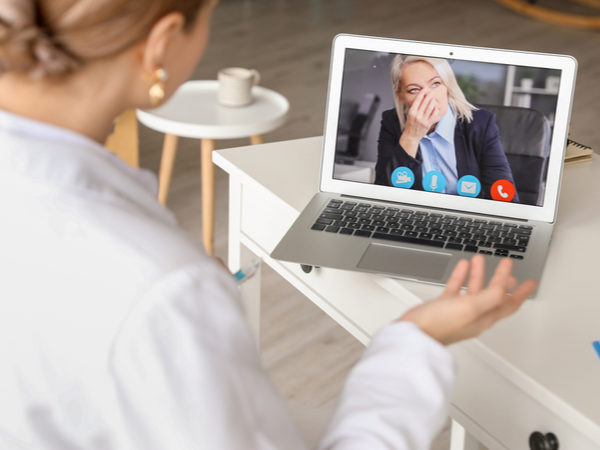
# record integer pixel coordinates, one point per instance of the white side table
(194, 112)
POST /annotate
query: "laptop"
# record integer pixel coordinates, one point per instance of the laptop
(485, 177)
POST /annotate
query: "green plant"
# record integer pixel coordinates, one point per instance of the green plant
(469, 87)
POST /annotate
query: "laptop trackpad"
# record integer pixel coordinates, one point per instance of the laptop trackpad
(406, 262)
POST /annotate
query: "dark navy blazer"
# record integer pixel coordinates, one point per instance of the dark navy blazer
(477, 144)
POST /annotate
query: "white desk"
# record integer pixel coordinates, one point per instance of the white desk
(536, 371)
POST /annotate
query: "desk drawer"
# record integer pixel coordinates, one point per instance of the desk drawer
(507, 413)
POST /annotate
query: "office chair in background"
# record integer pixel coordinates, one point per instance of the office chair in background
(525, 135)
(355, 119)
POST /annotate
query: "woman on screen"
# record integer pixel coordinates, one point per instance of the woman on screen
(434, 129)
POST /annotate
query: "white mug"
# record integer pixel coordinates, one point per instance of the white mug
(235, 86)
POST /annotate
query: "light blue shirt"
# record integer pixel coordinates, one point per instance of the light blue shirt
(437, 150)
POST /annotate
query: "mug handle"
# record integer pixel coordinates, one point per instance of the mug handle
(255, 77)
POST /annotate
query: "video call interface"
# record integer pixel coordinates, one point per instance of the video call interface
(499, 153)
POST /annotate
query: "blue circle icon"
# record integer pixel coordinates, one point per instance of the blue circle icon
(403, 177)
(469, 186)
(434, 181)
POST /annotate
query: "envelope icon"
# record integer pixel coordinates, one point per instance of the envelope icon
(468, 187)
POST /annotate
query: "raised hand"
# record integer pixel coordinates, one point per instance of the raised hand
(422, 116)
(454, 316)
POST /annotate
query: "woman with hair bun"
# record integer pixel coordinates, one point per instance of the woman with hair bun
(116, 330)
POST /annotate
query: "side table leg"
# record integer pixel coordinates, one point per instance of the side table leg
(208, 193)
(257, 139)
(124, 140)
(167, 162)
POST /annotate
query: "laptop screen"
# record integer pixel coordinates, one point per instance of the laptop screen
(476, 130)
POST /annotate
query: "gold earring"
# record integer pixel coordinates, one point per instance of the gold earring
(157, 90)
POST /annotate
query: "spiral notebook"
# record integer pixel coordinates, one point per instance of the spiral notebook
(379, 211)
(577, 152)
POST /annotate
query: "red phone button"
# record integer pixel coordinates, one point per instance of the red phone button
(503, 190)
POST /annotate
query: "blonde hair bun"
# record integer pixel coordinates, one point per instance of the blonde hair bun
(54, 37)
(25, 47)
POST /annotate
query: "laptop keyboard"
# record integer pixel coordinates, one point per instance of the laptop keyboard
(467, 234)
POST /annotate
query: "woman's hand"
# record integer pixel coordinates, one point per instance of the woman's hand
(423, 114)
(453, 316)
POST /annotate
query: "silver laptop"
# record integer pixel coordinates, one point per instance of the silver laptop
(483, 178)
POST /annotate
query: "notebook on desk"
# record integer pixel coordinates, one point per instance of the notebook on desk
(485, 178)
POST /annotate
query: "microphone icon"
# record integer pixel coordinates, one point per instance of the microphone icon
(434, 183)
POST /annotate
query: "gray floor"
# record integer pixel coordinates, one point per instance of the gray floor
(289, 42)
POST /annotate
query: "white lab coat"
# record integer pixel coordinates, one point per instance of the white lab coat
(118, 332)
